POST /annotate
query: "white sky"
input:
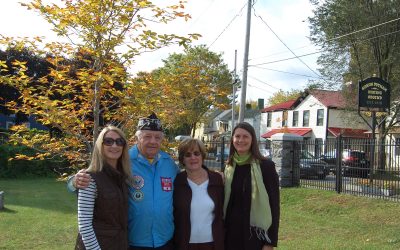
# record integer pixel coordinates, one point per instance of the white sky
(213, 20)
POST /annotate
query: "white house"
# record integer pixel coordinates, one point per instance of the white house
(321, 114)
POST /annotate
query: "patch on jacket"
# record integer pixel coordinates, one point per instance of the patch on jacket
(138, 182)
(166, 184)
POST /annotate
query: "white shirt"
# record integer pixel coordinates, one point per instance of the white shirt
(201, 213)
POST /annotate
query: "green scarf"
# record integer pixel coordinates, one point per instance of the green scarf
(260, 211)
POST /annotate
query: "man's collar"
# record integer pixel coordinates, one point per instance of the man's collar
(151, 161)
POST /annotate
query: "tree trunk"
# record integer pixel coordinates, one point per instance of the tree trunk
(96, 111)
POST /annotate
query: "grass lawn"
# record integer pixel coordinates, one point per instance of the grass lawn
(41, 214)
(38, 214)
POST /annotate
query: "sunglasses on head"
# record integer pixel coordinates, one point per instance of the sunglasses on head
(110, 141)
(195, 153)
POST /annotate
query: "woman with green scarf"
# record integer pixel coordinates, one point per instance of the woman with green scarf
(251, 206)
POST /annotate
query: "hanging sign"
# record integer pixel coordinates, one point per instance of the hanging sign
(374, 95)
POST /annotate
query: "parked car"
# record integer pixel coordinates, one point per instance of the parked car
(266, 152)
(310, 166)
(182, 137)
(354, 162)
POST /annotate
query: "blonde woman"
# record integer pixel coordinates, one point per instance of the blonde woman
(103, 205)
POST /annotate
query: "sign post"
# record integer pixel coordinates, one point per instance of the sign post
(373, 96)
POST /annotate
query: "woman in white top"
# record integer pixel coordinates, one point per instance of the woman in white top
(198, 201)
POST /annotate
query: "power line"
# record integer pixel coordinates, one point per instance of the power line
(278, 53)
(263, 82)
(201, 14)
(285, 72)
(276, 35)
(223, 31)
(357, 31)
(335, 38)
(260, 89)
(320, 51)
(286, 59)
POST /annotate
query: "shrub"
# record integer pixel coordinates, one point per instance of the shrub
(10, 168)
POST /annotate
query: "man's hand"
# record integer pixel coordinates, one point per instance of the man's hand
(81, 179)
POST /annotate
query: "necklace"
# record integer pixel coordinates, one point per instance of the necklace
(198, 177)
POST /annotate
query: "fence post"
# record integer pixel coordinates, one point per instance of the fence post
(339, 176)
(223, 153)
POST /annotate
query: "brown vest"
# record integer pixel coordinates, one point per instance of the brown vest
(110, 215)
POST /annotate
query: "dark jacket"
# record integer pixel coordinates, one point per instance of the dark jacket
(271, 182)
(110, 215)
(182, 201)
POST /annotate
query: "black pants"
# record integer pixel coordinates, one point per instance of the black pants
(167, 246)
(201, 246)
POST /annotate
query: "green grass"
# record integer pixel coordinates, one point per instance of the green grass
(38, 214)
(41, 214)
(317, 219)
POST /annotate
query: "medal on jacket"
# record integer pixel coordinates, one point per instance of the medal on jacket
(137, 195)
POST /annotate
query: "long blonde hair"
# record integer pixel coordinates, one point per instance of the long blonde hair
(97, 162)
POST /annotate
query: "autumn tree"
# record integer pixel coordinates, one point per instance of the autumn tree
(37, 66)
(113, 33)
(181, 91)
(190, 84)
(284, 96)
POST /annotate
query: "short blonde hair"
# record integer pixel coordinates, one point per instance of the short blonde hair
(98, 160)
(188, 144)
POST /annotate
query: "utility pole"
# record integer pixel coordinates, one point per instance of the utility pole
(245, 64)
(234, 93)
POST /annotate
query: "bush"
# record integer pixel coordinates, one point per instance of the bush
(28, 168)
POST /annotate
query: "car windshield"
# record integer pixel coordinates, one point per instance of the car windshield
(357, 154)
(306, 155)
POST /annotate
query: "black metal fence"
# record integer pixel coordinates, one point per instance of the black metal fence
(362, 167)
(218, 152)
(356, 166)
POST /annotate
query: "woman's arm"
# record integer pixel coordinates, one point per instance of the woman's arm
(86, 199)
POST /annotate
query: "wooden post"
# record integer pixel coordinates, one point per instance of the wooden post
(1, 200)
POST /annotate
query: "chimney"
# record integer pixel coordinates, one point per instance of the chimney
(260, 103)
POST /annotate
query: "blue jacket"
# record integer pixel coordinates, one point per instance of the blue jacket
(150, 217)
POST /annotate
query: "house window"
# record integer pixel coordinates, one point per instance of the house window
(306, 118)
(225, 127)
(269, 118)
(295, 121)
(397, 146)
(284, 119)
(320, 117)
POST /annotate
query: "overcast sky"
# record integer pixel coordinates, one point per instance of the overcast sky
(222, 24)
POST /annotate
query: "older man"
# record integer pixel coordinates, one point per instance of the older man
(150, 218)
